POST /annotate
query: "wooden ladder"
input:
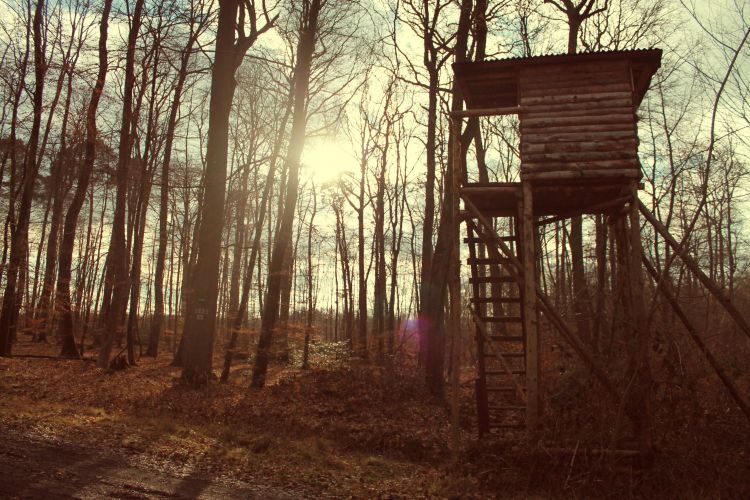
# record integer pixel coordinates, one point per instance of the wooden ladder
(501, 341)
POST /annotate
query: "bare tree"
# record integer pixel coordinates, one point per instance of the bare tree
(117, 256)
(576, 14)
(423, 18)
(308, 33)
(62, 302)
(20, 240)
(237, 31)
(265, 199)
(310, 314)
(59, 182)
(198, 20)
(434, 290)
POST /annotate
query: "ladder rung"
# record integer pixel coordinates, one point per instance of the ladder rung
(492, 279)
(507, 407)
(503, 372)
(496, 300)
(506, 355)
(501, 319)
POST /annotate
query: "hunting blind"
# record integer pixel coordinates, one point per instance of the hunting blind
(578, 151)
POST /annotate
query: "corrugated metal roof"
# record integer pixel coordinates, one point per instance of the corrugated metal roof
(565, 54)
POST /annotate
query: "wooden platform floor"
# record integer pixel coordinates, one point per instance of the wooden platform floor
(500, 199)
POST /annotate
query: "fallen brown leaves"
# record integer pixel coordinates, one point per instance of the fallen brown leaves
(348, 429)
(340, 428)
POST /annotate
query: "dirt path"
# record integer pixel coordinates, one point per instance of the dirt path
(32, 467)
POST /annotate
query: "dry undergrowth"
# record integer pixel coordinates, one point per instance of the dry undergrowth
(338, 429)
(348, 429)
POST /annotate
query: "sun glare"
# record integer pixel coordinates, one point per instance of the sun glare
(326, 160)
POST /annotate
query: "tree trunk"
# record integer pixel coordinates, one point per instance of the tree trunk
(118, 256)
(305, 48)
(380, 299)
(200, 320)
(310, 284)
(58, 191)
(434, 289)
(429, 207)
(20, 236)
(581, 298)
(58, 180)
(361, 339)
(241, 312)
(157, 323)
(62, 302)
(201, 299)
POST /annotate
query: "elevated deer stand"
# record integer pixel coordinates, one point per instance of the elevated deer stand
(579, 155)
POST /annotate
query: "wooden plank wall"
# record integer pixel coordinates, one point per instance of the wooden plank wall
(578, 122)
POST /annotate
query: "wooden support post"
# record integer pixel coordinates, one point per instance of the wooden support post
(529, 313)
(454, 285)
(642, 371)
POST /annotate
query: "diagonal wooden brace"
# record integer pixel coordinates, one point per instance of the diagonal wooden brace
(666, 290)
(691, 264)
(514, 268)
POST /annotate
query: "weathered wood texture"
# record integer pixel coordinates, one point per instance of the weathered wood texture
(530, 323)
(567, 193)
(578, 122)
(577, 116)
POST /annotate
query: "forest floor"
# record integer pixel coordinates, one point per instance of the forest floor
(341, 429)
(73, 430)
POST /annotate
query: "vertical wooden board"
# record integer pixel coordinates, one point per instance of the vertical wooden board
(641, 330)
